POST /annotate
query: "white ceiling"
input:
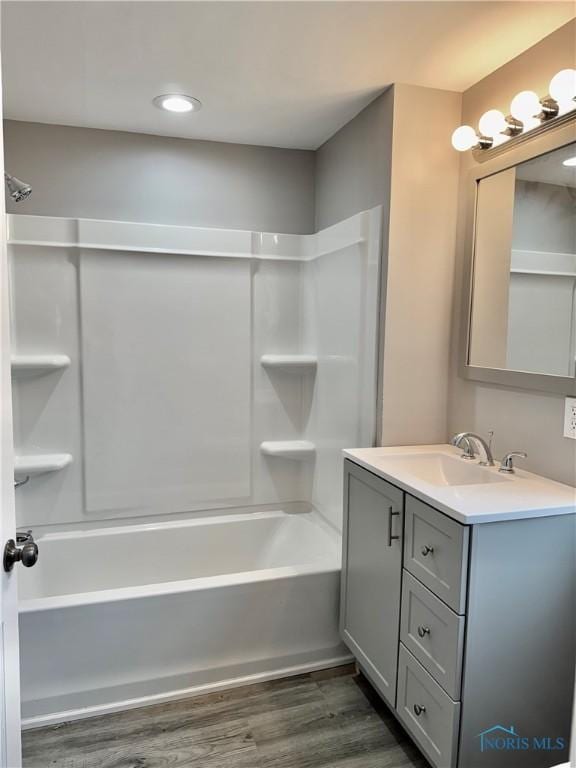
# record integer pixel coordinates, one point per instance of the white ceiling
(275, 73)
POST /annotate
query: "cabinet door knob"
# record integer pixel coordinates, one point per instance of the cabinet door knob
(423, 631)
(419, 709)
(427, 550)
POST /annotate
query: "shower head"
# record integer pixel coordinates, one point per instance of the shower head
(17, 189)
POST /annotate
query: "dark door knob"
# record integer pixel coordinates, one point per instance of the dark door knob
(27, 554)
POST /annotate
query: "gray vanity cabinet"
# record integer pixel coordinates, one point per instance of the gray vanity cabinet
(370, 614)
(467, 631)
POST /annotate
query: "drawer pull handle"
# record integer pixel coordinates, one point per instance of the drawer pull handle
(423, 631)
(390, 516)
(427, 550)
(419, 709)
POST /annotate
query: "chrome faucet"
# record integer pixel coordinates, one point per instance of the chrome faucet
(467, 440)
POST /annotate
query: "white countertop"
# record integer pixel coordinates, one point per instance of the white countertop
(509, 497)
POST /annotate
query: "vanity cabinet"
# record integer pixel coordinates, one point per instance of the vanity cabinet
(467, 631)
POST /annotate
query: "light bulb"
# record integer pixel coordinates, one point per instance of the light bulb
(563, 87)
(570, 162)
(464, 138)
(177, 102)
(525, 106)
(492, 123)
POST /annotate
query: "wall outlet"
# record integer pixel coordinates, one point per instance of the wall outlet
(570, 418)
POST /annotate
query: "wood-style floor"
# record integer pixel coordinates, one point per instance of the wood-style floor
(329, 719)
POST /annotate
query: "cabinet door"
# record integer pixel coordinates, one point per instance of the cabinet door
(372, 573)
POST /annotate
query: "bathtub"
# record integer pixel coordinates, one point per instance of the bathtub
(120, 617)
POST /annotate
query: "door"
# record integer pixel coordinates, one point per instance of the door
(372, 575)
(10, 753)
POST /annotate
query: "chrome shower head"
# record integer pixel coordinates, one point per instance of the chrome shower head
(18, 190)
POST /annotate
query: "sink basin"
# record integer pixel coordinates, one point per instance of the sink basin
(464, 490)
(441, 469)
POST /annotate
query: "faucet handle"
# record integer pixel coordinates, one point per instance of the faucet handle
(469, 451)
(507, 463)
(463, 441)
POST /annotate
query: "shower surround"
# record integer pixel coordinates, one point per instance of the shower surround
(213, 377)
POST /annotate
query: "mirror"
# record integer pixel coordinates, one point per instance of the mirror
(523, 308)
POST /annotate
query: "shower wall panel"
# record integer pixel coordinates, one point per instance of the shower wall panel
(45, 319)
(166, 353)
(342, 305)
(166, 401)
(280, 407)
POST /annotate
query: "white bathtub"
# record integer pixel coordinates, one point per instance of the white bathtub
(120, 617)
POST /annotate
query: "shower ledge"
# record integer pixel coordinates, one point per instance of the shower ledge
(296, 363)
(289, 449)
(38, 364)
(38, 464)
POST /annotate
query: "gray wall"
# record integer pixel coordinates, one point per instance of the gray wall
(353, 167)
(97, 174)
(521, 419)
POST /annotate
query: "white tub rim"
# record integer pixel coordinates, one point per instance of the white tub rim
(120, 594)
(208, 518)
(328, 564)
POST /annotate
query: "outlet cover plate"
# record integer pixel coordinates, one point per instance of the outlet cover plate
(570, 418)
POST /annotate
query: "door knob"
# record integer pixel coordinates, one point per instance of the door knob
(423, 631)
(419, 709)
(27, 554)
(427, 550)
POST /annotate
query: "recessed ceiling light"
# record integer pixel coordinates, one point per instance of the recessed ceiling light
(177, 102)
(570, 162)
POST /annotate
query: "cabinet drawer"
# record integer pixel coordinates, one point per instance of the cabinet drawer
(436, 552)
(435, 728)
(433, 633)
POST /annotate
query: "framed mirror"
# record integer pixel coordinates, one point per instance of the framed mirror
(520, 309)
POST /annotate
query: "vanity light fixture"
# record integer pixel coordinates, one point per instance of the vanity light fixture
(527, 112)
(177, 102)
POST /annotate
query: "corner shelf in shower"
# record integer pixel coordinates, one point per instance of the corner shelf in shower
(295, 363)
(38, 364)
(39, 464)
(289, 449)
